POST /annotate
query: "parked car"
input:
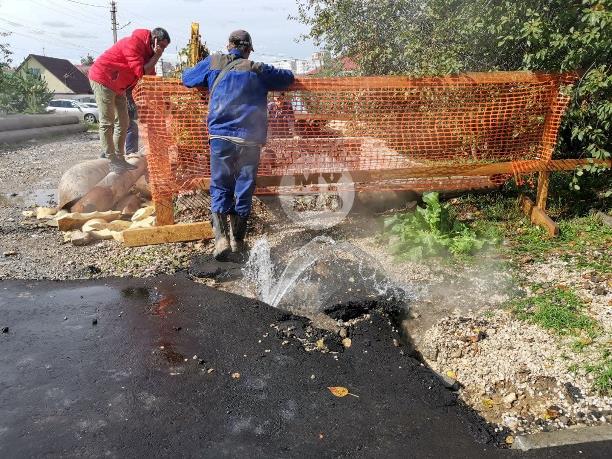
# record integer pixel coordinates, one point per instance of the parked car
(90, 105)
(85, 99)
(87, 114)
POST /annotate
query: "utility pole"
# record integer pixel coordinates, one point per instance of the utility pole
(114, 19)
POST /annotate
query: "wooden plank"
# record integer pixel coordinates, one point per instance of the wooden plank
(76, 220)
(164, 211)
(542, 194)
(538, 216)
(181, 232)
(444, 170)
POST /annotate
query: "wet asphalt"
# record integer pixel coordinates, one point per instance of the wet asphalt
(167, 367)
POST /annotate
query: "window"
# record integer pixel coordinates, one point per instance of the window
(35, 72)
(55, 103)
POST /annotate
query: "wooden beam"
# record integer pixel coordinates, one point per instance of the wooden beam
(444, 170)
(180, 232)
(538, 216)
(164, 211)
(542, 193)
(76, 220)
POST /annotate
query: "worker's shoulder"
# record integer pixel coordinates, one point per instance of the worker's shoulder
(219, 61)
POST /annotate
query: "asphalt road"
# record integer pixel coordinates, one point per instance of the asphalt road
(110, 369)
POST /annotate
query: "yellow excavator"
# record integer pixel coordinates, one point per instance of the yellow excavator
(197, 51)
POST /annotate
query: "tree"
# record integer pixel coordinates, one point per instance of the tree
(5, 52)
(21, 92)
(87, 60)
(440, 37)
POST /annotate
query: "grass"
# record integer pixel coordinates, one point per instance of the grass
(557, 310)
(583, 240)
(602, 373)
(93, 127)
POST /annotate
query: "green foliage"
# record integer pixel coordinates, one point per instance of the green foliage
(558, 310)
(87, 60)
(23, 92)
(602, 373)
(431, 231)
(438, 37)
(5, 53)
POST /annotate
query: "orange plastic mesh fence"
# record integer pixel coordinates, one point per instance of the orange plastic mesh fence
(361, 124)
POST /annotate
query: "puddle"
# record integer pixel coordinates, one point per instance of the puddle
(44, 197)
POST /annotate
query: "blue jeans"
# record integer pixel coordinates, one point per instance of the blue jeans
(131, 140)
(233, 170)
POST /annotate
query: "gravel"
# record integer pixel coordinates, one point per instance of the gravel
(514, 374)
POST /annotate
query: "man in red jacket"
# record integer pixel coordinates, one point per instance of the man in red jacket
(116, 70)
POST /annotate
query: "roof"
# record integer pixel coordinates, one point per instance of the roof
(347, 65)
(83, 68)
(64, 71)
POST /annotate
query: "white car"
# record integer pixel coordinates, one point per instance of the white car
(90, 105)
(88, 114)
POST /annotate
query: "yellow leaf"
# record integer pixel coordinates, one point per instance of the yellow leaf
(320, 344)
(487, 403)
(235, 375)
(346, 342)
(339, 391)
(451, 374)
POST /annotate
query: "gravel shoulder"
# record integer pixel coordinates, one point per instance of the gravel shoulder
(515, 374)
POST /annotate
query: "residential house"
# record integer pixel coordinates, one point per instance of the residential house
(62, 77)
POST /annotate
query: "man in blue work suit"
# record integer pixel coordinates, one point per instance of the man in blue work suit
(237, 125)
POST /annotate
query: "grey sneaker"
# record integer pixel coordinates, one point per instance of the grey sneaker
(119, 164)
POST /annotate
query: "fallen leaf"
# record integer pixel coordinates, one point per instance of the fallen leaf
(235, 375)
(451, 374)
(339, 391)
(320, 344)
(346, 342)
(487, 403)
(509, 439)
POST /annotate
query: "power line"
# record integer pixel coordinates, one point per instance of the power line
(13, 22)
(86, 4)
(67, 13)
(37, 38)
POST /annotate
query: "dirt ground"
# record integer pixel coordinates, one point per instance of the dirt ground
(514, 373)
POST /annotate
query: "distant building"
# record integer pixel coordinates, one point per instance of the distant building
(84, 69)
(286, 64)
(62, 77)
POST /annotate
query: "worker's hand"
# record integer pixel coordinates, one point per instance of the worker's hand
(158, 50)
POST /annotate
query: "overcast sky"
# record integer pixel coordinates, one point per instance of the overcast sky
(70, 29)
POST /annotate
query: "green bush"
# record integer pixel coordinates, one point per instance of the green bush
(439, 37)
(432, 231)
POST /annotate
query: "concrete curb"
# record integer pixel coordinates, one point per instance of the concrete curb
(23, 135)
(564, 437)
(24, 122)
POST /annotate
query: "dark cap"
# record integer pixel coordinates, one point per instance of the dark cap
(241, 38)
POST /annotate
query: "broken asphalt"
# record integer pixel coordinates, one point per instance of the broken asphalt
(164, 367)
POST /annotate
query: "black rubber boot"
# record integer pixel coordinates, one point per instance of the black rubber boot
(238, 227)
(222, 245)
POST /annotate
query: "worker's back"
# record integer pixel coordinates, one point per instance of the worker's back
(238, 106)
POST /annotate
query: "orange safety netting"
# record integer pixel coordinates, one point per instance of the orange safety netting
(362, 124)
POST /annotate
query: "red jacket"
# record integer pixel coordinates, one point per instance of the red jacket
(122, 65)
